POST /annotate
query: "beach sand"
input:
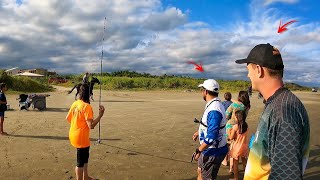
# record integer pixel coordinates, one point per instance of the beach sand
(145, 135)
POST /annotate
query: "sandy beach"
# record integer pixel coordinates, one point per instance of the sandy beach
(145, 135)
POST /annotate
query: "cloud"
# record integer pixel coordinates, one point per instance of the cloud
(166, 20)
(268, 2)
(146, 37)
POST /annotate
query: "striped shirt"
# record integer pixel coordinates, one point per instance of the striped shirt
(281, 146)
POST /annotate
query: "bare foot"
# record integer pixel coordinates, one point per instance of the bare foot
(4, 133)
(230, 172)
(224, 163)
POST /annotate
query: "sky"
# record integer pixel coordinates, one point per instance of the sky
(159, 37)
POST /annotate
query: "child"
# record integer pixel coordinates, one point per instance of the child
(81, 119)
(227, 102)
(239, 147)
(3, 106)
(243, 103)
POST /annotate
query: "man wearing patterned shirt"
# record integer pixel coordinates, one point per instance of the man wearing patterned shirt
(213, 144)
(281, 146)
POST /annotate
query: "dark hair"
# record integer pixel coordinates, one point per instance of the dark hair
(227, 96)
(275, 73)
(272, 72)
(241, 119)
(2, 85)
(215, 94)
(84, 93)
(244, 98)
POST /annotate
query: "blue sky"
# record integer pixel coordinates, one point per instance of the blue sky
(216, 13)
(222, 13)
(159, 37)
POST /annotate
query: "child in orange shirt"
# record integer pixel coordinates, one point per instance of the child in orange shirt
(239, 147)
(81, 121)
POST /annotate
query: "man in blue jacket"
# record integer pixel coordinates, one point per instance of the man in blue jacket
(213, 144)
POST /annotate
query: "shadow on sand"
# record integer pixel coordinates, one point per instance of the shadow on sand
(37, 110)
(132, 152)
(57, 109)
(220, 177)
(118, 101)
(314, 162)
(59, 137)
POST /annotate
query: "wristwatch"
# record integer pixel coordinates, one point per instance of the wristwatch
(198, 151)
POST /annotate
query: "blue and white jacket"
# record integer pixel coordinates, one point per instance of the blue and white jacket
(214, 134)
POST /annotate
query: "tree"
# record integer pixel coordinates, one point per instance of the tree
(3, 76)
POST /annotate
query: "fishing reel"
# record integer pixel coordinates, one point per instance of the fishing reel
(196, 120)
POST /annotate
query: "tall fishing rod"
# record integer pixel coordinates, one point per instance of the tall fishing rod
(101, 59)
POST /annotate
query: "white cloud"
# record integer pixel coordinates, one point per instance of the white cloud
(299, 45)
(166, 20)
(268, 2)
(143, 36)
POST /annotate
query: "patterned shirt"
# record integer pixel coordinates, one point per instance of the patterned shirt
(230, 112)
(281, 146)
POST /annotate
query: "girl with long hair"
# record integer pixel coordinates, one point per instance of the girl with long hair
(239, 147)
(242, 103)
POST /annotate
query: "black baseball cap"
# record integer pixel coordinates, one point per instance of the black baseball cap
(264, 55)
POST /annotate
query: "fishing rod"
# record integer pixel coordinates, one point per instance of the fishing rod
(101, 59)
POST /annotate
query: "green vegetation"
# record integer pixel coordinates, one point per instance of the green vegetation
(128, 80)
(131, 80)
(165, 83)
(297, 87)
(24, 84)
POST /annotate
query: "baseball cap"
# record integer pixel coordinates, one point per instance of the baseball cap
(210, 85)
(264, 55)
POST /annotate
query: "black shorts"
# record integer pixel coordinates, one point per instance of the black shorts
(210, 166)
(82, 156)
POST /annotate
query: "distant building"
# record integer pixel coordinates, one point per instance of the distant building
(31, 75)
(40, 71)
(13, 71)
(52, 73)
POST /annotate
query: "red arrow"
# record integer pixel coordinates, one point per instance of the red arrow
(283, 28)
(198, 67)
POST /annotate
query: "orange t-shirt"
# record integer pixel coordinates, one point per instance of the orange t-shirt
(78, 114)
